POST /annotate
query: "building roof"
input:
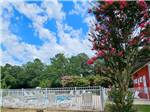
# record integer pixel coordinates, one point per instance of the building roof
(141, 64)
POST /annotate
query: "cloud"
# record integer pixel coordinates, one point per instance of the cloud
(33, 12)
(72, 41)
(18, 52)
(81, 8)
(54, 9)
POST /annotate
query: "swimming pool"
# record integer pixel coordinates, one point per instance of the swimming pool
(63, 98)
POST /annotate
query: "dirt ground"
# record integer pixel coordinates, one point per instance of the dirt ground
(17, 110)
(36, 110)
(28, 110)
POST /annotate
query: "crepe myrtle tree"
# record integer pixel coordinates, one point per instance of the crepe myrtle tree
(118, 33)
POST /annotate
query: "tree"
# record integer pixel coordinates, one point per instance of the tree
(9, 76)
(77, 65)
(59, 62)
(33, 72)
(120, 31)
(57, 69)
(10, 81)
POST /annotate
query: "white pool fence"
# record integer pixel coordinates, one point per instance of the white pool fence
(69, 98)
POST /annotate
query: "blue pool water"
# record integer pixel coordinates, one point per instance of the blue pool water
(62, 98)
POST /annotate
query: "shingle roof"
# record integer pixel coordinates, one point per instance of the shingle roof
(140, 64)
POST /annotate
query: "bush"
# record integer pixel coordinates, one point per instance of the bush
(45, 83)
(108, 107)
(118, 96)
(82, 82)
(70, 81)
(98, 81)
(56, 83)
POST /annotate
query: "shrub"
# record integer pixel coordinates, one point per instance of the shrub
(70, 81)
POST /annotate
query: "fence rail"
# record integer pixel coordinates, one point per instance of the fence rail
(68, 98)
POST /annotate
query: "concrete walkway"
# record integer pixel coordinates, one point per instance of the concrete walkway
(141, 102)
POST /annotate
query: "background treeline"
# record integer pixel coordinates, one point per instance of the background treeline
(62, 71)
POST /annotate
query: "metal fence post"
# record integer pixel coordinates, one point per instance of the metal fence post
(1, 97)
(22, 96)
(101, 98)
(8, 92)
(22, 92)
(46, 96)
(75, 89)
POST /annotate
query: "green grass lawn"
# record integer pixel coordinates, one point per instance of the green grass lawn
(139, 108)
(143, 108)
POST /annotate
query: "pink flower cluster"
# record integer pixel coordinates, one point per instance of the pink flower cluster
(147, 40)
(144, 24)
(123, 4)
(142, 4)
(110, 2)
(112, 51)
(102, 54)
(97, 27)
(91, 60)
(120, 53)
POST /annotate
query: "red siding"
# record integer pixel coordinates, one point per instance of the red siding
(139, 74)
(139, 81)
